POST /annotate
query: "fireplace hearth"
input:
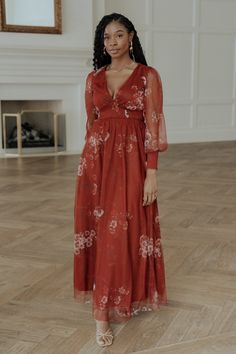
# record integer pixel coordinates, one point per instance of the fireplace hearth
(39, 130)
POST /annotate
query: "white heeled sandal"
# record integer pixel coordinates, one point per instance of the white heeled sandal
(104, 339)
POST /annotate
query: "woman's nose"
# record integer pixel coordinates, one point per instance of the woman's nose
(113, 42)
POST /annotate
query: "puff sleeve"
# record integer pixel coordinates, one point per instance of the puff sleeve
(155, 128)
(89, 105)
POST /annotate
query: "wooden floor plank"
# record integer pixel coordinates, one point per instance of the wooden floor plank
(197, 204)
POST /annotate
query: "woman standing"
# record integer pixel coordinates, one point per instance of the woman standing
(118, 259)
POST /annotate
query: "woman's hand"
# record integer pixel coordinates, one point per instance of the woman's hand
(150, 187)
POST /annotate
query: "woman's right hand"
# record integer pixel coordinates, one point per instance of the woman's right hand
(150, 187)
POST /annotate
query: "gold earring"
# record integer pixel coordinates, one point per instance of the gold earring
(104, 51)
(131, 50)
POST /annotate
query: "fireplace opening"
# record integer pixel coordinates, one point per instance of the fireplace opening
(33, 126)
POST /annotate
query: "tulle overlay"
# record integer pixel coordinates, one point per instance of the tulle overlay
(118, 255)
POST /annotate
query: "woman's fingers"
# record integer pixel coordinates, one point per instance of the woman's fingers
(149, 198)
(144, 198)
(150, 190)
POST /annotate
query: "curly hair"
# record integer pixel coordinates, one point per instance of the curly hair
(99, 58)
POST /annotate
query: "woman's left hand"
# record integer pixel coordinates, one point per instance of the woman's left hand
(150, 187)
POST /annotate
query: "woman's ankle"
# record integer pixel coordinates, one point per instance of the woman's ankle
(102, 325)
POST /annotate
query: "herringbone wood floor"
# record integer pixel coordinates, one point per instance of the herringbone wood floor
(197, 203)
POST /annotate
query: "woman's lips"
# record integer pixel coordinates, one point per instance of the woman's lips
(114, 51)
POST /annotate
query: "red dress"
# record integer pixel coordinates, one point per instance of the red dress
(118, 257)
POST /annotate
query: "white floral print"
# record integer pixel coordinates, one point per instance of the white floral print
(114, 296)
(144, 79)
(119, 220)
(112, 226)
(95, 188)
(150, 142)
(137, 102)
(157, 219)
(97, 111)
(82, 165)
(147, 92)
(106, 136)
(104, 299)
(117, 300)
(154, 117)
(126, 113)
(119, 148)
(115, 105)
(148, 247)
(83, 239)
(89, 85)
(133, 137)
(127, 144)
(129, 147)
(123, 291)
(98, 212)
(94, 141)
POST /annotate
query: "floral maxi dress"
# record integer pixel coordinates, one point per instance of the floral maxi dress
(118, 257)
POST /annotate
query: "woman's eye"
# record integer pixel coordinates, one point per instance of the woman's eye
(107, 38)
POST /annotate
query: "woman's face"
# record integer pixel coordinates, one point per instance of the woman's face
(117, 39)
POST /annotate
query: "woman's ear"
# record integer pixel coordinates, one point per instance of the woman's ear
(131, 36)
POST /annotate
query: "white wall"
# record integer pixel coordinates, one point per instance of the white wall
(51, 67)
(77, 22)
(192, 43)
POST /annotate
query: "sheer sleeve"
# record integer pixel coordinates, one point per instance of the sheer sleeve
(155, 128)
(89, 105)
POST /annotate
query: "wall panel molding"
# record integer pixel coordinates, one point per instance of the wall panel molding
(189, 42)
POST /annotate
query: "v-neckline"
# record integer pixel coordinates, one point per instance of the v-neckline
(124, 83)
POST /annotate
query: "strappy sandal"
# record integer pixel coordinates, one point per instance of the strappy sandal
(102, 337)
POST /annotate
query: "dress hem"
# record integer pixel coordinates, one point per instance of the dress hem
(118, 314)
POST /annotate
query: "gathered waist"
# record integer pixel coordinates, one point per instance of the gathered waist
(107, 117)
(107, 123)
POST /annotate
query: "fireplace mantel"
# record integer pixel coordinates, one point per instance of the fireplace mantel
(48, 74)
(30, 65)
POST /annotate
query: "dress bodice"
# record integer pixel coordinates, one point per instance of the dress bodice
(128, 101)
(139, 97)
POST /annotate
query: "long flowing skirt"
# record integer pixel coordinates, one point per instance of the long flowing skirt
(118, 256)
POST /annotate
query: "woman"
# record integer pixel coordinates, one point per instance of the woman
(118, 260)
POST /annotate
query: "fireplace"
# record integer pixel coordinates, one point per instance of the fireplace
(30, 126)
